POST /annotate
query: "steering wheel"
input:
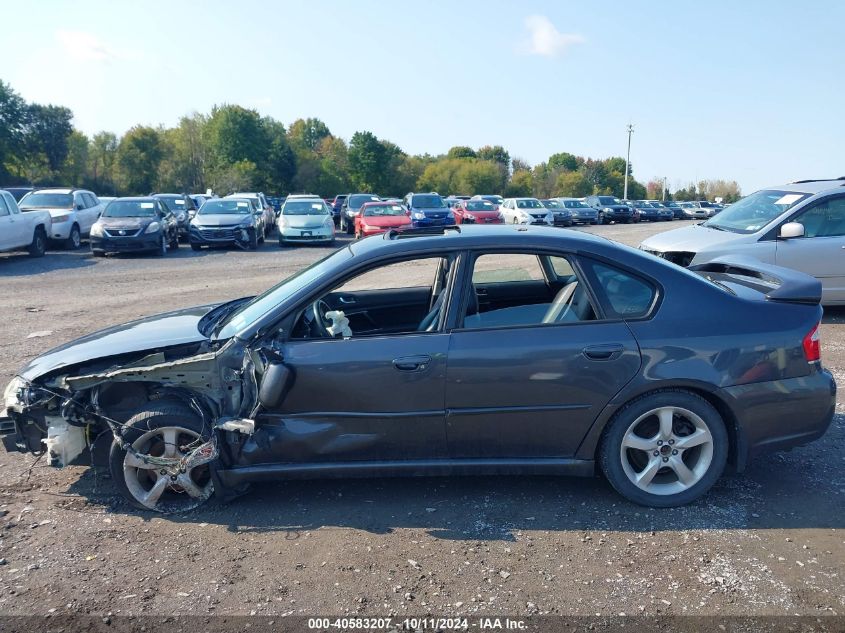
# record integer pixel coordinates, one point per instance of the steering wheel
(318, 311)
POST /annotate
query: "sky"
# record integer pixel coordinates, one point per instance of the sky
(743, 90)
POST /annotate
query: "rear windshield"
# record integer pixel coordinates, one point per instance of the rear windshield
(384, 209)
(480, 205)
(47, 201)
(130, 209)
(225, 207)
(609, 200)
(305, 207)
(357, 200)
(428, 201)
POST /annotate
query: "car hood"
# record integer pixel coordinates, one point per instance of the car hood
(218, 220)
(304, 221)
(125, 223)
(389, 220)
(151, 333)
(432, 211)
(484, 215)
(692, 239)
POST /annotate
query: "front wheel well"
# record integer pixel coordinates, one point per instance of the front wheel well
(736, 457)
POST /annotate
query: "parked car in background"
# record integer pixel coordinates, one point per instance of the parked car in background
(182, 206)
(225, 222)
(525, 211)
(799, 225)
(261, 202)
(562, 215)
(692, 212)
(497, 200)
(350, 207)
(428, 209)
(666, 214)
(199, 199)
(305, 220)
(492, 349)
(337, 204)
(16, 191)
(645, 211)
(22, 231)
(133, 225)
(710, 208)
(379, 217)
(610, 209)
(675, 208)
(478, 211)
(73, 212)
(581, 213)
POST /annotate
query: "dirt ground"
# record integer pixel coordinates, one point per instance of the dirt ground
(768, 542)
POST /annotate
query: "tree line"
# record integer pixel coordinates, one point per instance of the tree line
(236, 148)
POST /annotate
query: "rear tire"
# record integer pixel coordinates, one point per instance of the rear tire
(196, 247)
(162, 429)
(253, 239)
(38, 246)
(664, 449)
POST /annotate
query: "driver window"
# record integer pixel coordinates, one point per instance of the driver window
(398, 298)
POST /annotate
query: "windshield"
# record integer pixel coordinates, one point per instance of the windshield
(609, 200)
(383, 209)
(250, 312)
(574, 204)
(552, 204)
(130, 209)
(47, 200)
(225, 207)
(494, 199)
(480, 205)
(428, 201)
(357, 200)
(753, 212)
(305, 207)
(172, 203)
(529, 203)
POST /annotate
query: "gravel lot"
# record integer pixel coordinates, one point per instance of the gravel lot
(769, 542)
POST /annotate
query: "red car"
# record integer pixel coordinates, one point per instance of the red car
(379, 217)
(477, 212)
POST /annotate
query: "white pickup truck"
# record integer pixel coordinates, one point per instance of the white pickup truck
(22, 231)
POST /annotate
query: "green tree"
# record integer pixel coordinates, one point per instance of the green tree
(187, 155)
(521, 184)
(368, 161)
(47, 131)
(307, 134)
(12, 122)
(74, 171)
(279, 168)
(495, 153)
(564, 161)
(139, 157)
(572, 184)
(461, 151)
(102, 155)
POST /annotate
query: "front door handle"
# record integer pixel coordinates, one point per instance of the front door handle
(412, 363)
(610, 351)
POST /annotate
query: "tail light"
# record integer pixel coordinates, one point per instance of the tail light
(812, 345)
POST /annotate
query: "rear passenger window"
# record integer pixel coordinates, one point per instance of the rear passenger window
(506, 267)
(624, 295)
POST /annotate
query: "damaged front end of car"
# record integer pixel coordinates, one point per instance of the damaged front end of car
(76, 414)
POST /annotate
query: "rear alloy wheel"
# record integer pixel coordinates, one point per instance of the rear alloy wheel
(162, 430)
(74, 240)
(38, 246)
(665, 449)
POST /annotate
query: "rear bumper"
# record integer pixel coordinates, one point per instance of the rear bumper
(781, 414)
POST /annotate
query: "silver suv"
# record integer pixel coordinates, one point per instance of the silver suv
(800, 225)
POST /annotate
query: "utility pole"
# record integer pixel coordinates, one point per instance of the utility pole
(664, 188)
(628, 160)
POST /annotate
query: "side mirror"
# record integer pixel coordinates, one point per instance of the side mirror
(791, 229)
(274, 385)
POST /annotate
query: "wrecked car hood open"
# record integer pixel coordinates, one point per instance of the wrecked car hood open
(163, 330)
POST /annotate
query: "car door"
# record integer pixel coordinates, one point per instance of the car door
(372, 396)
(528, 380)
(88, 214)
(821, 252)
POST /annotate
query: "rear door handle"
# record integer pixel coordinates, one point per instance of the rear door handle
(412, 363)
(347, 300)
(609, 351)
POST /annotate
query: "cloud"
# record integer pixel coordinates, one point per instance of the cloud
(83, 46)
(544, 39)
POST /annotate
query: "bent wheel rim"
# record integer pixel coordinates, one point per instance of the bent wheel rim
(667, 450)
(156, 490)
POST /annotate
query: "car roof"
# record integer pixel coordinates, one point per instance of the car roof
(811, 186)
(500, 237)
(56, 190)
(136, 198)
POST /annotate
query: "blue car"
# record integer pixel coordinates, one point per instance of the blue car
(428, 209)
